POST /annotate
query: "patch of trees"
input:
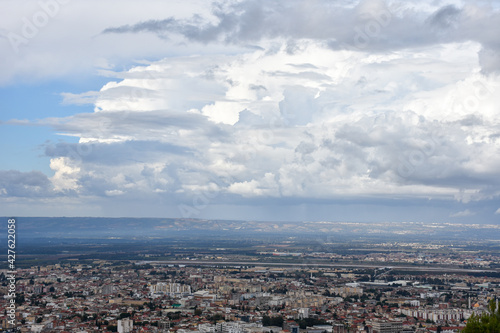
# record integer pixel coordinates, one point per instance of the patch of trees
(308, 322)
(486, 323)
(272, 321)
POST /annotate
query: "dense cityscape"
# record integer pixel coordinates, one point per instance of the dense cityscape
(216, 276)
(205, 296)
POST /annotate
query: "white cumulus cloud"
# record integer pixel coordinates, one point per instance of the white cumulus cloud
(320, 130)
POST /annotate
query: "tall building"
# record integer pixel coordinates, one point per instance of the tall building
(303, 313)
(163, 326)
(387, 327)
(170, 289)
(339, 328)
(107, 289)
(125, 325)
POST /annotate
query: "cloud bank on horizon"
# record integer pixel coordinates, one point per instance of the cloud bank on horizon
(288, 104)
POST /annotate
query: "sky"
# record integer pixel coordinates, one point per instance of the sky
(251, 109)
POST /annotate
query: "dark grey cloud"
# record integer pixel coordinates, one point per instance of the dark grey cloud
(145, 125)
(250, 21)
(367, 26)
(15, 183)
(445, 17)
(117, 153)
(471, 120)
(257, 87)
(414, 153)
(149, 26)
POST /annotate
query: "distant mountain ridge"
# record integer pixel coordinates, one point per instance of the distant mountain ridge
(126, 227)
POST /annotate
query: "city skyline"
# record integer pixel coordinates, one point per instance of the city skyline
(265, 110)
